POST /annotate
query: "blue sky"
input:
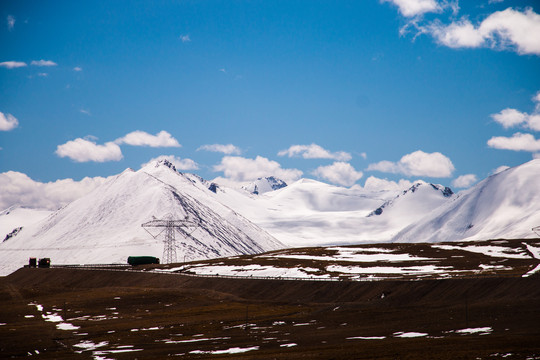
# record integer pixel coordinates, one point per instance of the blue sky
(338, 91)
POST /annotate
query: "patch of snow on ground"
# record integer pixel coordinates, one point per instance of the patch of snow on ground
(411, 334)
(257, 271)
(90, 345)
(233, 350)
(408, 270)
(366, 338)
(533, 250)
(66, 326)
(288, 345)
(370, 249)
(489, 250)
(481, 330)
(355, 257)
(533, 271)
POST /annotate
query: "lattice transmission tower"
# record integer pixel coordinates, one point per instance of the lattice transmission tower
(536, 229)
(168, 227)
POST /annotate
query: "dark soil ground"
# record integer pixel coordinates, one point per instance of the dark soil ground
(137, 315)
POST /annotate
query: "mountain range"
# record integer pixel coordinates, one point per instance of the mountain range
(105, 225)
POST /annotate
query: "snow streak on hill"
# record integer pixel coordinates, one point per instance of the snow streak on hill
(105, 225)
(15, 218)
(505, 205)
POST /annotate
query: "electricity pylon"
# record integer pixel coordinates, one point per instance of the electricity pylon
(536, 230)
(169, 226)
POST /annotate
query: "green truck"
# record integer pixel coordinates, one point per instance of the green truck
(142, 260)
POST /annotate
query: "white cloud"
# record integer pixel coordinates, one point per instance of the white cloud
(518, 142)
(84, 150)
(141, 138)
(509, 118)
(464, 181)
(314, 151)
(43, 74)
(12, 64)
(340, 173)
(376, 184)
(8, 122)
(185, 38)
(179, 163)
(77, 68)
(20, 189)
(500, 169)
(410, 8)
(458, 34)
(536, 156)
(502, 29)
(11, 22)
(536, 99)
(417, 163)
(43, 63)
(84, 111)
(228, 149)
(512, 117)
(238, 168)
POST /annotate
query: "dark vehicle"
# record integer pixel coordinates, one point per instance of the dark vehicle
(32, 262)
(142, 260)
(44, 263)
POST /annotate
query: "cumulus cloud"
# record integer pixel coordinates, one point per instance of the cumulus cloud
(179, 163)
(43, 63)
(376, 184)
(77, 68)
(314, 151)
(84, 150)
(464, 181)
(228, 149)
(518, 142)
(238, 168)
(11, 22)
(20, 189)
(185, 38)
(141, 138)
(417, 163)
(339, 172)
(410, 8)
(511, 117)
(501, 30)
(8, 122)
(12, 64)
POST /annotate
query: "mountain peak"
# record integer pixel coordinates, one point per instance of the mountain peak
(165, 162)
(265, 184)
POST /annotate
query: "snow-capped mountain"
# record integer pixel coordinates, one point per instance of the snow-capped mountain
(312, 213)
(505, 205)
(415, 206)
(264, 185)
(105, 225)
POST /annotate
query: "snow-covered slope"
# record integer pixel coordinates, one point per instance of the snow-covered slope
(312, 213)
(105, 225)
(16, 217)
(505, 205)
